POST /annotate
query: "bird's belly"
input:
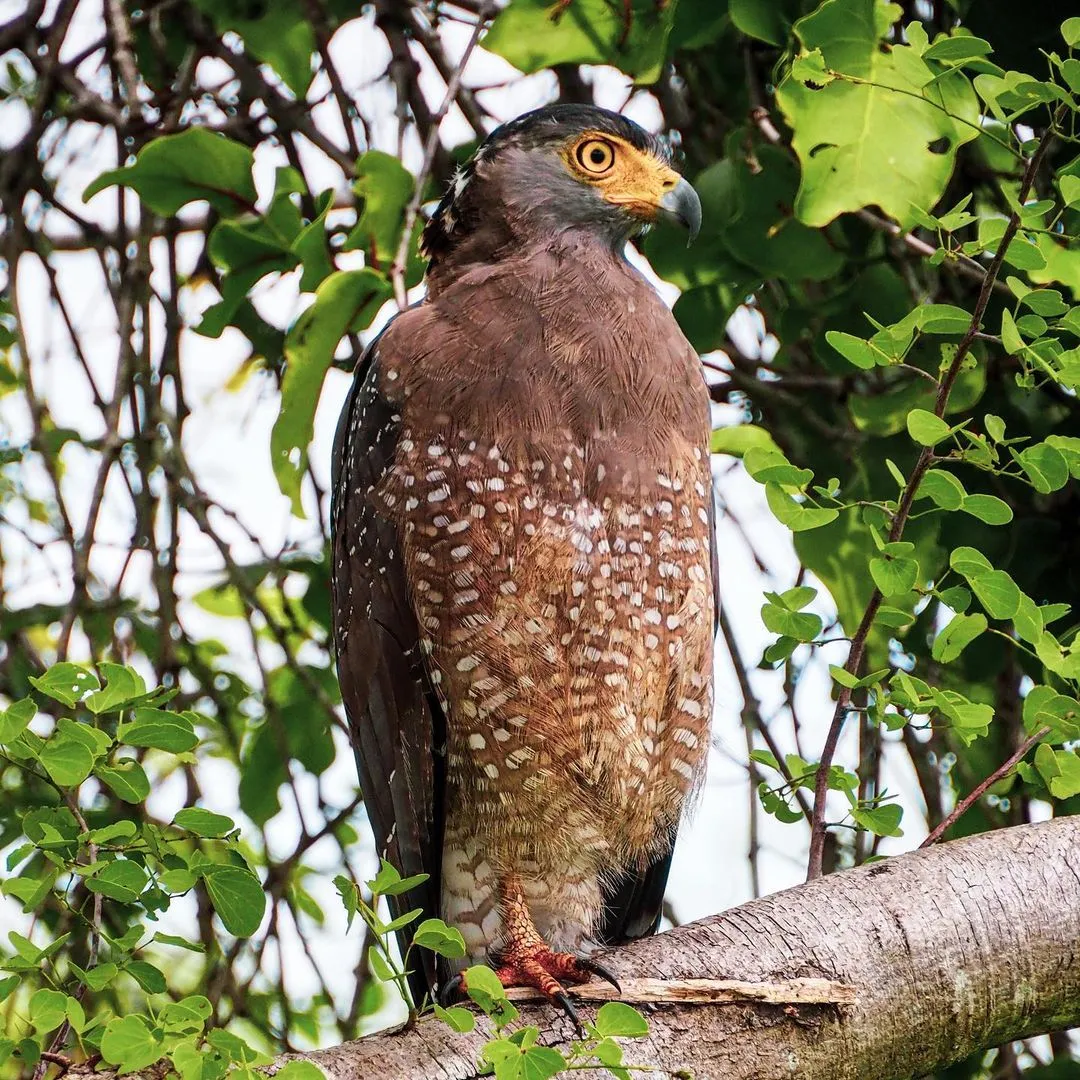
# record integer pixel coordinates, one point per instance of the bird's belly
(569, 634)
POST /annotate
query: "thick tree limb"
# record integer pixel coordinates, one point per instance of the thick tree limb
(948, 950)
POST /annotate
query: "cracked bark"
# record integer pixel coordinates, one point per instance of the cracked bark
(950, 949)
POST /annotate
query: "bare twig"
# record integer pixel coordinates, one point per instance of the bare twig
(397, 267)
(977, 793)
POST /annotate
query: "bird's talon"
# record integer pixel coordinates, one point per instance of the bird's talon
(595, 968)
(451, 990)
(563, 1001)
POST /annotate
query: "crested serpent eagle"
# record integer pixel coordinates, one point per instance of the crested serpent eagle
(523, 557)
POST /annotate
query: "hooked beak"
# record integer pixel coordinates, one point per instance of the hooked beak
(682, 204)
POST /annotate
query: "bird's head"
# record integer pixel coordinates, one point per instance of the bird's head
(558, 169)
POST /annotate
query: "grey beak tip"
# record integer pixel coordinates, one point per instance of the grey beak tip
(682, 204)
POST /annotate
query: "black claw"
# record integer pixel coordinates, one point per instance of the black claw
(449, 991)
(599, 969)
(567, 1007)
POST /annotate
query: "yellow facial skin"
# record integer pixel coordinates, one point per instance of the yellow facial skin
(624, 175)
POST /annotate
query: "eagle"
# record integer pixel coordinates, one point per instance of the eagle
(523, 558)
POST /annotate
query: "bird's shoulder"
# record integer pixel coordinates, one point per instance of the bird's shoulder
(559, 330)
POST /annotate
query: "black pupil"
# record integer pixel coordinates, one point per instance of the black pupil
(598, 155)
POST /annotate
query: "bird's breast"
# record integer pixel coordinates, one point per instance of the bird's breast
(563, 594)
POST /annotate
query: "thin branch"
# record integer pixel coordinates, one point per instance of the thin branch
(397, 267)
(973, 797)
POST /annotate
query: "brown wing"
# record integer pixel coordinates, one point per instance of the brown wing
(634, 905)
(397, 727)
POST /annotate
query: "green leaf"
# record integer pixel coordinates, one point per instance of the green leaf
(457, 1018)
(796, 516)
(795, 599)
(126, 779)
(48, 1010)
(995, 427)
(117, 830)
(279, 34)
(147, 976)
(880, 820)
(969, 562)
(97, 978)
(403, 920)
(737, 439)
(159, 730)
(231, 1046)
(15, 718)
(614, 1018)
(958, 598)
(445, 940)
(67, 762)
(306, 1070)
(66, 683)
(874, 141)
(1045, 707)
(541, 1063)
(237, 897)
(842, 677)
(130, 1043)
(535, 34)
(380, 968)
(484, 987)
(767, 466)
(956, 636)
(894, 576)
(196, 164)
(1070, 31)
(349, 898)
(384, 187)
(942, 488)
(121, 880)
(942, 319)
(122, 686)
(1010, 336)
(765, 20)
(855, 350)
(970, 720)
(179, 942)
(1045, 466)
(802, 626)
(203, 822)
(957, 49)
(1060, 770)
(997, 592)
(346, 300)
(75, 1014)
(987, 508)
(926, 428)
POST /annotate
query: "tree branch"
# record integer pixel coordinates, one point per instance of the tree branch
(947, 950)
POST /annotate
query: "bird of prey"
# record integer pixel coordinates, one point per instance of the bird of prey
(523, 557)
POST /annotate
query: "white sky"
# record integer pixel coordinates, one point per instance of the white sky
(226, 440)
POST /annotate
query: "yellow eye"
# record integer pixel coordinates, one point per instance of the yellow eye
(595, 156)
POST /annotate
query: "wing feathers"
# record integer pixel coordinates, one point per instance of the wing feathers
(393, 716)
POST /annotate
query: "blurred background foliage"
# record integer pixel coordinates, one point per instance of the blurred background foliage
(168, 165)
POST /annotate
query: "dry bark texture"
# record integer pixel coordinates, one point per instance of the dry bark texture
(950, 950)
